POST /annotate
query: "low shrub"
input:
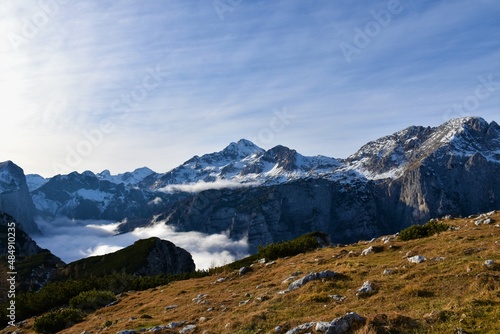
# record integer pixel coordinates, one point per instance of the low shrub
(55, 321)
(422, 231)
(92, 300)
(293, 247)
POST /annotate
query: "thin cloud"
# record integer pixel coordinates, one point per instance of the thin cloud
(202, 186)
(225, 78)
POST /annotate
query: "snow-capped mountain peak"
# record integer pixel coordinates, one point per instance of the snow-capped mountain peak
(241, 149)
(388, 156)
(243, 162)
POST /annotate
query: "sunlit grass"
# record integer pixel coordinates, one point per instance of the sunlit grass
(451, 289)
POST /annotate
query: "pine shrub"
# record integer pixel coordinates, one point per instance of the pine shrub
(422, 231)
(92, 300)
(55, 321)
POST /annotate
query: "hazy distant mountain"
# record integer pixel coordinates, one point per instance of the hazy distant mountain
(128, 178)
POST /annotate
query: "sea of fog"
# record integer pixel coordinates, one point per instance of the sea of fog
(72, 240)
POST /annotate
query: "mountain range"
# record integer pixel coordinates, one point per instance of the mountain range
(279, 194)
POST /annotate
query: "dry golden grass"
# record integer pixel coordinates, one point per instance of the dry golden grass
(435, 296)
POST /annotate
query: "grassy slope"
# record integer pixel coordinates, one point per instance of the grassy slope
(460, 285)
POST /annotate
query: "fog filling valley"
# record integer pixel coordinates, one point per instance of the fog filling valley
(72, 240)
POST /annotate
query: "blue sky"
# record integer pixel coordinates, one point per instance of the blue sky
(94, 85)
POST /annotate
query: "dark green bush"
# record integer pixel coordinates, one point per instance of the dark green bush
(422, 231)
(92, 300)
(55, 321)
(293, 247)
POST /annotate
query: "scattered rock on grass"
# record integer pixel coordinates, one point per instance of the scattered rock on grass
(417, 259)
(187, 329)
(243, 270)
(388, 271)
(365, 290)
(341, 325)
(489, 263)
(310, 277)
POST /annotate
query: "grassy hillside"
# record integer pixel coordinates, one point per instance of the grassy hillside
(452, 289)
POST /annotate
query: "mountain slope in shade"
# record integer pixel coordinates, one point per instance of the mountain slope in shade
(87, 196)
(15, 198)
(34, 265)
(35, 181)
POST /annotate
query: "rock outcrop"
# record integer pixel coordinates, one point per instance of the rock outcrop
(167, 258)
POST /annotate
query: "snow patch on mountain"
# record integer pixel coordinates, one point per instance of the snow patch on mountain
(93, 195)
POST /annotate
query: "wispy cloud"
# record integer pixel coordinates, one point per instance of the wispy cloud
(202, 186)
(224, 78)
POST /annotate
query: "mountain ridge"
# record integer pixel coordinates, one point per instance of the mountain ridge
(277, 194)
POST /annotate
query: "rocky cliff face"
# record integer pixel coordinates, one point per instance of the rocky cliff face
(15, 197)
(167, 258)
(346, 211)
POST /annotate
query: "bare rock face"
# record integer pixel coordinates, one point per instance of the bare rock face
(167, 258)
(345, 211)
(15, 198)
